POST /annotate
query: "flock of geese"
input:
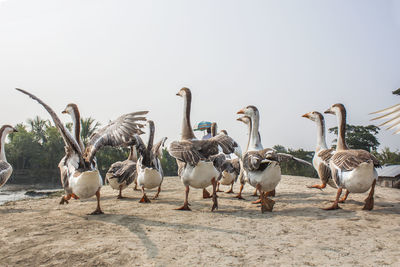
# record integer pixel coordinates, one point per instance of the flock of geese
(201, 163)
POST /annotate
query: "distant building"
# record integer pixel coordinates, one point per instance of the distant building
(389, 176)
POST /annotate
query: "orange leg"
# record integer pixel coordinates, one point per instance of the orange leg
(239, 195)
(343, 199)
(74, 196)
(144, 198)
(120, 193)
(255, 193)
(214, 195)
(98, 209)
(158, 192)
(186, 203)
(230, 191)
(64, 199)
(369, 201)
(335, 205)
(218, 187)
(206, 194)
(318, 186)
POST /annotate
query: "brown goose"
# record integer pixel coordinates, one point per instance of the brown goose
(196, 158)
(79, 175)
(5, 168)
(391, 114)
(262, 166)
(123, 173)
(324, 172)
(352, 169)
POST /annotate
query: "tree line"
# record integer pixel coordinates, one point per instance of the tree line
(38, 147)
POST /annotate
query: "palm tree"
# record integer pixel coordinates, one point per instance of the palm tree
(88, 127)
(38, 128)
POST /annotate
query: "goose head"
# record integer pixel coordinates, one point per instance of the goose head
(244, 119)
(336, 109)
(250, 111)
(7, 129)
(70, 109)
(314, 116)
(184, 92)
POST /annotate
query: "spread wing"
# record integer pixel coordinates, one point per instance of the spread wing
(120, 132)
(255, 160)
(185, 151)
(236, 165)
(69, 141)
(351, 159)
(226, 143)
(391, 116)
(281, 157)
(4, 168)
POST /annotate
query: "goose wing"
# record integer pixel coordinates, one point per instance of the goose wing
(253, 160)
(350, 159)
(185, 151)
(281, 157)
(326, 155)
(157, 147)
(69, 141)
(120, 132)
(391, 116)
(124, 171)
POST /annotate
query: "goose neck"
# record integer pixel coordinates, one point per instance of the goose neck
(341, 141)
(187, 131)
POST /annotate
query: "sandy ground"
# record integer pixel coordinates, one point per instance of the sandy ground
(296, 233)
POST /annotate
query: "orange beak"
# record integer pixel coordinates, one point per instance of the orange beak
(307, 115)
(240, 111)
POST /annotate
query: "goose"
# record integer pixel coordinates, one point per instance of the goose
(5, 168)
(352, 169)
(392, 114)
(149, 171)
(324, 172)
(262, 166)
(79, 175)
(123, 173)
(198, 159)
(246, 120)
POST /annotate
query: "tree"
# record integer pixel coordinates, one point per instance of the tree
(88, 127)
(38, 127)
(388, 157)
(359, 137)
(168, 163)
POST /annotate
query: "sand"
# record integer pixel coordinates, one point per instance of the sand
(297, 233)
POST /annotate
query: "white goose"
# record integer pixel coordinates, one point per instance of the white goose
(262, 166)
(123, 173)
(352, 169)
(196, 158)
(149, 170)
(324, 172)
(79, 175)
(5, 168)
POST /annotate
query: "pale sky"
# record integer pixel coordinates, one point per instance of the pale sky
(285, 57)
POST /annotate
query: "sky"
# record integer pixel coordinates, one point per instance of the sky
(285, 57)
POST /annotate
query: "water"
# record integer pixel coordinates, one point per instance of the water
(17, 192)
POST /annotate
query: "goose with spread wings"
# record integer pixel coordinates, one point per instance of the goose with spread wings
(262, 166)
(149, 171)
(391, 115)
(5, 167)
(352, 169)
(79, 175)
(198, 160)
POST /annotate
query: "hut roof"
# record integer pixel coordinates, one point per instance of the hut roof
(392, 171)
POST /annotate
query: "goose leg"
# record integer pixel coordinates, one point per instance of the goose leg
(335, 205)
(135, 189)
(343, 199)
(64, 199)
(218, 183)
(120, 193)
(98, 209)
(144, 198)
(239, 195)
(318, 186)
(186, 203)
(158, 192)
(230, 190)
(206, 194)
(272, 193)
(214, 195)
(369, 201)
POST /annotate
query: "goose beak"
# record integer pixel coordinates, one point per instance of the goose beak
(240, 111)
(15, 130)
(329, 111)
(64, 112)
(307, 115)
(239, 119)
